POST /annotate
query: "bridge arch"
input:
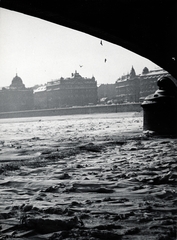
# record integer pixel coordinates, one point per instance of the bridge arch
(147, 28)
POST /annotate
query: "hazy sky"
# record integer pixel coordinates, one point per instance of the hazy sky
(40, 51)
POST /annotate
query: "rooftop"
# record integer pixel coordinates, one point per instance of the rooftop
(40, 89)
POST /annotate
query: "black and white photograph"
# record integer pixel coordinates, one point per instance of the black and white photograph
(88, 120)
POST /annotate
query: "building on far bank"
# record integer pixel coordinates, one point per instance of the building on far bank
(127, 88)
(134, 88)
(40, 97)
(121, 88)
(107, 91)
(73, 91)
(16, 97)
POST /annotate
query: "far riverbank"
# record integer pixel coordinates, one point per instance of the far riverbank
(131, 107)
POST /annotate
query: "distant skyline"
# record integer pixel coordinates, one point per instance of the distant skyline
(40, 51)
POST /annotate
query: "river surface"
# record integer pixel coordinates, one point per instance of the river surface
(86, 177)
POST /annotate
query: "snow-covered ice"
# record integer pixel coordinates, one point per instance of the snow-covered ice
(97, 176)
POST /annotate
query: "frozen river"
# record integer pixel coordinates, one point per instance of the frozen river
(26, 137)
(86, 177)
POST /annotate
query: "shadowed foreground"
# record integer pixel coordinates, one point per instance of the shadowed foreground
(95, 177)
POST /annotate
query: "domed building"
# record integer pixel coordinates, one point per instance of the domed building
(16, 97)
(17, 83)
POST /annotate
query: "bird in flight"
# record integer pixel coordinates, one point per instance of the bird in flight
(80, 65)
(101, 42)
(105, 60)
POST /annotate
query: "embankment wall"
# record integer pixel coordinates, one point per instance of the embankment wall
(134, 107)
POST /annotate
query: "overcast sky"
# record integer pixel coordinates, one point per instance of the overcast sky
(40, 51)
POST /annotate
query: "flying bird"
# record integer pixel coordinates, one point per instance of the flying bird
(105, 60)
(80, 65)
(101, 42)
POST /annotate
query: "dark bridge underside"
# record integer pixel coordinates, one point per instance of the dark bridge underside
(146, 27)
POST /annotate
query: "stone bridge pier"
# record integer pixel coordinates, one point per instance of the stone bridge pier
(160, 108)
